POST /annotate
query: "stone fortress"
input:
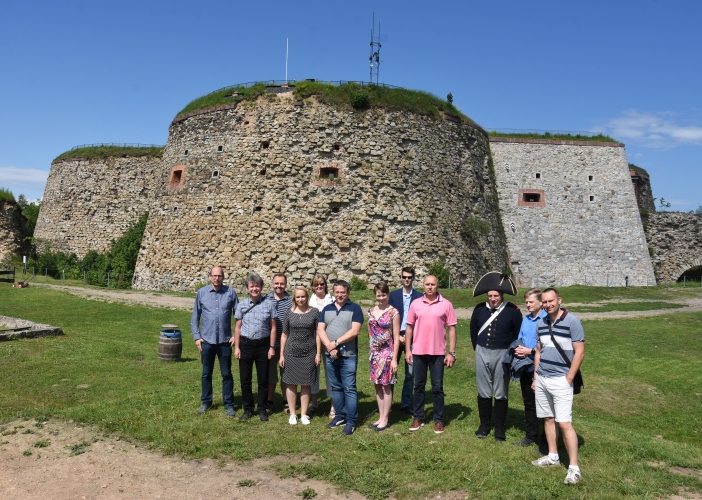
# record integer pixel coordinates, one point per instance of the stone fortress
(300, 186)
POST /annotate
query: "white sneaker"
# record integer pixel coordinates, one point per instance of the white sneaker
(573, 477)
(292, 420)
(305, 420)
(546, 461)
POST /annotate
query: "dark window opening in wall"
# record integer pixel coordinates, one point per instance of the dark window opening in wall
(265, 145)
(335, 210)
(186, 152)
(177, 177)
(246, 122)
(337, 146)
(532, 197)
(262, 171)
(538, 176)
(258, 208)
(220, 148)
(592, 198)
(589, 177)
(175, 210)
(215, 174)
(209, 209)
(329, 172)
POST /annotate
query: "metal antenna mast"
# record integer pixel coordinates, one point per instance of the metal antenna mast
(374, 52)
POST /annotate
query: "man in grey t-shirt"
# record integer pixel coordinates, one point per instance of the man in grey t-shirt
(339, 326)
(554, 379)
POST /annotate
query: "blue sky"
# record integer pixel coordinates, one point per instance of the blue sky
(77, 72)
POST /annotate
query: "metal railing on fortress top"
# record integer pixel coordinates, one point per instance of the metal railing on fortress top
(119, 145)
(291, 83)
(525, 131)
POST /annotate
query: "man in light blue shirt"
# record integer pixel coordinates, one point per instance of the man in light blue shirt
(214, 306)
(401, 299)
(527, 337)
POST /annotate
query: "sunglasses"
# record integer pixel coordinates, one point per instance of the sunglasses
(407, 277)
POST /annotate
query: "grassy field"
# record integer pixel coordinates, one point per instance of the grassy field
(642, 403)
(106, 151)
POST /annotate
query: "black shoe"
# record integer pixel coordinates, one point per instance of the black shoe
(407, 411)
(246, 416)
(263, 417)
(203, 409)
(525, 441)
(230, 412)
(270, 407)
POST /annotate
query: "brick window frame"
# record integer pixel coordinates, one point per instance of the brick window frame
(524, 193)
(177, 177)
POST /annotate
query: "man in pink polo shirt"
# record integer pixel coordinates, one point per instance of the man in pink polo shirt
(427, 321)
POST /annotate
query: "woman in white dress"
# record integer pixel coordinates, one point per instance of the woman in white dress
(320, 298)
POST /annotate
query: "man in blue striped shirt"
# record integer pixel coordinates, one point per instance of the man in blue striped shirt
(214, 306)
(554, 379)
(254, 343)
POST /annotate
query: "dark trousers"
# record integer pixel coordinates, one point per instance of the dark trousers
(207, 357)
(529, 396)
(254, 352)
(435, 365)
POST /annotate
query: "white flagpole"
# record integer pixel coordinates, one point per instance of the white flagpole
(286, 61)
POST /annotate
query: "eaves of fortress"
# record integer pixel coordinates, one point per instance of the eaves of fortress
(281, 181)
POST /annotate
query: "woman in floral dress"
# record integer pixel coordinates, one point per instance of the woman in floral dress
(384, 333)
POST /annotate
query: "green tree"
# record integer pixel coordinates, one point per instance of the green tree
(31, 212)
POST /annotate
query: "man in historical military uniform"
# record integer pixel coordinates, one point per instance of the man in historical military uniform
(494, 325)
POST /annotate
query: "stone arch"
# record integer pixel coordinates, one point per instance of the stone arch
(686, 267)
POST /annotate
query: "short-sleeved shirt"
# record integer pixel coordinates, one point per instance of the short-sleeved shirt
(527, 333)
(430, 320)
(339, 321)
(566, 330)
(256, 324)
(214, 309)
(282, 306)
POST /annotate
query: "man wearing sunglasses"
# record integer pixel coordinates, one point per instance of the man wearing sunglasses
(401, 299)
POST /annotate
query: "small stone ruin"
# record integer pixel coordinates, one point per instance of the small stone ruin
(15, 328)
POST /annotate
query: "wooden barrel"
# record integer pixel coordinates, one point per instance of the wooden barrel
(170, 347)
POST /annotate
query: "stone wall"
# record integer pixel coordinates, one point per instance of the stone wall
(88, 203)
(570, 213)
(304, 188)
(642, 190)
(675, 240)
(12, 230)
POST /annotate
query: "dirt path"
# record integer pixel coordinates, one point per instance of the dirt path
(110, 467)
(156, 299)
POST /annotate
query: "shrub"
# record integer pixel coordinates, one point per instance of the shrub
(643, 212)
(359, 99)
(31, 212)
(357, 284)
(474, 228)
(438, 268)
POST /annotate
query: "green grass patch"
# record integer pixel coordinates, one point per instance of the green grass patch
(641, 403)
(104, 152)
(626, 306)
(345, 96)
(552, 137)
(6, 195)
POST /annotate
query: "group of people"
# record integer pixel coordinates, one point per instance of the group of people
(295, 335)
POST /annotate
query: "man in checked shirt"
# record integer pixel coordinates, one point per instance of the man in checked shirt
(214, 306)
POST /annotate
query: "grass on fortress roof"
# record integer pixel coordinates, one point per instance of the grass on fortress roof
(637, 417)
(552, 137)
(103, 152)
(341, 96)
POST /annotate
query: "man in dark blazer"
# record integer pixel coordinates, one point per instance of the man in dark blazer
(401, 299)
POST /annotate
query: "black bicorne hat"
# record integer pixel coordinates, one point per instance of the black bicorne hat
(495, 281)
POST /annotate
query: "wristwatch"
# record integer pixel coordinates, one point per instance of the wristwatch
(336, 343)
(453, 353)
(272, 347)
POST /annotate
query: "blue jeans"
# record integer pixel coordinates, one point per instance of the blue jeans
(342, 378)
(207, 357)
(435, 365)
